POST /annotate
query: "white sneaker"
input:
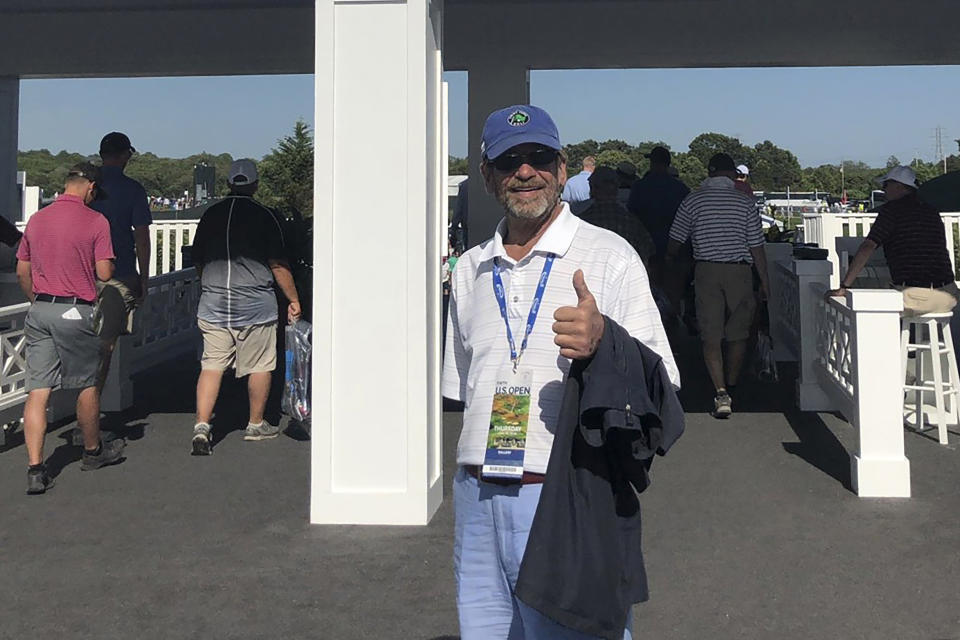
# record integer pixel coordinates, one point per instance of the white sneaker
(202, 440)
(262, 431)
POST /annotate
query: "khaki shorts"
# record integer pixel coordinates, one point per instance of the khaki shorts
(920, 300)
(725, 301)
(250, 349)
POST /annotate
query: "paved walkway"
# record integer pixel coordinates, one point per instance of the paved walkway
(751, 531)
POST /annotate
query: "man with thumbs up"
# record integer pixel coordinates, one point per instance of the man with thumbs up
(523, 305)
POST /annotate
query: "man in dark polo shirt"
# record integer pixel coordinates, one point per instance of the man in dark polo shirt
(128, 213)
(915, 245)
(65, 249)
(239, 250)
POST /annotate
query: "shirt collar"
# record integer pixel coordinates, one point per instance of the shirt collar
(717, 182)
(556, 239)
(70, 197)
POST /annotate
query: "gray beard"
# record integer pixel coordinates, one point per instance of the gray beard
(531, 211)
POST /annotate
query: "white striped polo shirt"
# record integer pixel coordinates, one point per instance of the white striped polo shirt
(723, 222)
(477, 348)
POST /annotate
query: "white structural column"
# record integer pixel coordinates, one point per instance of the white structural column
(9, 125)
(491, 85)
(879, 467)
(379, 170)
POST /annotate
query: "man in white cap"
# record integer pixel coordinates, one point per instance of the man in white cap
(742, 183)
(239, 251)
(911, 234)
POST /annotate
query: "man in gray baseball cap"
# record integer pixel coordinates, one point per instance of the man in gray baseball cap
(240, 254)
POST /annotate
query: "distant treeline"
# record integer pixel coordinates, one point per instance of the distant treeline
(772, 168)
(286, 173)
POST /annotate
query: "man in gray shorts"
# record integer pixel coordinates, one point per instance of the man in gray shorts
(65, 249)
(239, 250)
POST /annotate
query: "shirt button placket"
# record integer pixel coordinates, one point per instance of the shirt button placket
(516, 291)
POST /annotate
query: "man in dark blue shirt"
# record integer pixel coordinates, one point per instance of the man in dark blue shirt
(655, 199)
(128, 212)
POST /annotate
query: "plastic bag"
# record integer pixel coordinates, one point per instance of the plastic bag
(765, 362)
(296, 387)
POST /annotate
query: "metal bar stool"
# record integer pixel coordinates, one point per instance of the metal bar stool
(931, 336)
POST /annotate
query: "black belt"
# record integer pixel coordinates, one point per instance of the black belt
(717, 262)
(922, 285)
(46, 297)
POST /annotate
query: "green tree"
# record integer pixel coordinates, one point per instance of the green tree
(577, 152)
(457, 166)
(611, 158)
(286, 173)
(705, 145)
(774, 168)
(692, 171)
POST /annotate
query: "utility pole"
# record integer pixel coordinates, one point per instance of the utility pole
(940, 155)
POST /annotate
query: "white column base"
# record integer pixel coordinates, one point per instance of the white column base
(880, 477)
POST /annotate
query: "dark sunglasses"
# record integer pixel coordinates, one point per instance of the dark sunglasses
(539, 159)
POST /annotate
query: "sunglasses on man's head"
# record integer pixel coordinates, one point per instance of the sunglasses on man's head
(538, 159)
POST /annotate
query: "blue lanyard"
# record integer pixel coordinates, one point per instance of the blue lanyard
(501, 296)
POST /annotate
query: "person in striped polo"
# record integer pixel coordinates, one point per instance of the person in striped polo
(727, 239)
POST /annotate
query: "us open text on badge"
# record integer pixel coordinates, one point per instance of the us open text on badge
(509, 417)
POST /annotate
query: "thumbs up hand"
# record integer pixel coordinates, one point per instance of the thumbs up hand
(578, 328)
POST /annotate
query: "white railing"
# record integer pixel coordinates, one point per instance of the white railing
(784, 310)
(166, 239)
(823, 229)
(13, 375)
(166, 328)
(849, 361)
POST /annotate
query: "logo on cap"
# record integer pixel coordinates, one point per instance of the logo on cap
(518, 118)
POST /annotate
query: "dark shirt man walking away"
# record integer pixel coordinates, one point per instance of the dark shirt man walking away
(65, 249)
(654, 199)
(128, 213)
(915, 246)
(239, 250)
(727, 238)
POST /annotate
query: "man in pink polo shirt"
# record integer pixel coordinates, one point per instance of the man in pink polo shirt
(65, 248)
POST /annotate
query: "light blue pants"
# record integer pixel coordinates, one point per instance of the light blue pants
(492, 523)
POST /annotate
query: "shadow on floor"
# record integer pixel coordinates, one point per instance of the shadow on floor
(819, 446)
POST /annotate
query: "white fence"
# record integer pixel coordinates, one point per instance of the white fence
(848, 352)
(166, 328)
(167, 237)
(823, 229)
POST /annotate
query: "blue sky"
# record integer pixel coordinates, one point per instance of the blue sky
(822, 115)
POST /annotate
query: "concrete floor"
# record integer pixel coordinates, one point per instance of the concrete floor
(751, 531)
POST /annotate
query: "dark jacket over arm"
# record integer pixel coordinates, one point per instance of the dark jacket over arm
(583, 565)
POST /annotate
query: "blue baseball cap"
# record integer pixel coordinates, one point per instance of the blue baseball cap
(519, 124)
